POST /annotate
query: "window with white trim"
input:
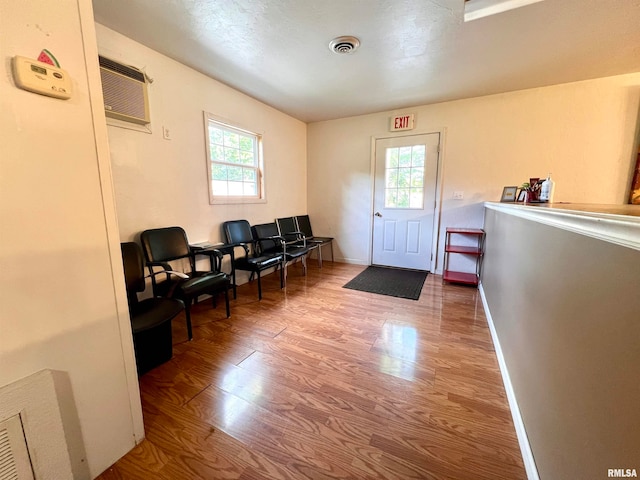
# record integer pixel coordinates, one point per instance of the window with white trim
(234, 163)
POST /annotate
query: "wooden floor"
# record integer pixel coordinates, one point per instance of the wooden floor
(323, 382)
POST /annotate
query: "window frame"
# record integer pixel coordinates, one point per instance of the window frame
(229, 126)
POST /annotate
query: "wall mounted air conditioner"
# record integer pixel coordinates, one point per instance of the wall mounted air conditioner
(125, 92)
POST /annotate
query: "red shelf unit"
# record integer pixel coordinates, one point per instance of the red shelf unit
(477, 251)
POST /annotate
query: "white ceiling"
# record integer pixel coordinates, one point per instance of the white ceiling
(413, 52)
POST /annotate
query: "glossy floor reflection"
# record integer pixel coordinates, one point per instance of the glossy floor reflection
(323, 382)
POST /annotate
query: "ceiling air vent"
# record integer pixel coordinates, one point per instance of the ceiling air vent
(125, 92)
(344, 45)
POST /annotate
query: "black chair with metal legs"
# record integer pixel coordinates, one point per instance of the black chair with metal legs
(269, 241)
(239, 234)
(304, 225)
(163, 245)
(288, 228)
(150, 318)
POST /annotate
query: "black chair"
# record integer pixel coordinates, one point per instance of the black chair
(150, 318)
(288, 229)
(239, 234)
(304, 225)
(269, 241)
(162, 245)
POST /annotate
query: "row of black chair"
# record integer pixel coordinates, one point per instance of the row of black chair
(300, 226)
(240, 234)
(264, 246)
(173, 291)
(272, 245)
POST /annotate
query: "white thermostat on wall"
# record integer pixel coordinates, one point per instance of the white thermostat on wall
(42, 78)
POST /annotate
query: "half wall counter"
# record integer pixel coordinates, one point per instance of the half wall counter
(561, 289)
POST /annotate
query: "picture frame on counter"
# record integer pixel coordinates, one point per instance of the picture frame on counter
(509, 194)
(522, 196)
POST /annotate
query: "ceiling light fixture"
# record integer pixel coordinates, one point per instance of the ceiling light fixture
(344, 45)
(474, 9)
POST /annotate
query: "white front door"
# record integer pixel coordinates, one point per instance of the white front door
(406, 170)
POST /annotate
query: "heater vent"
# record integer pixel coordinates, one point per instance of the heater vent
(7, 462)
(14, 456)
(125, 92)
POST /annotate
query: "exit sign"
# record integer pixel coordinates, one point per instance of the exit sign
(402, 122)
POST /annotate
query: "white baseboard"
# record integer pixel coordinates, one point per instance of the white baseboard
(521, 433)
(352, 261)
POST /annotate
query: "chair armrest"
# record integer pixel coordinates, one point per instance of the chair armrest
(215, 256)
(211, 252)
(299, 236)
(166, 269)
(259, 244)
(238, 244)
(274, 238)
(168, 272)
(229, 248)
(217, 252)
(164, 265)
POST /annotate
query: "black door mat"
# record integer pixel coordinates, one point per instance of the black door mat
(394, 282)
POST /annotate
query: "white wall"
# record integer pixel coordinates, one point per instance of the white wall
(62, 297)
(161, 182)
(583, 133)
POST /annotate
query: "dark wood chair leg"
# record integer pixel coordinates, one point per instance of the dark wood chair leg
(259, 286)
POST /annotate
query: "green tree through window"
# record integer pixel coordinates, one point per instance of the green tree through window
(404, 177)
(234, 163)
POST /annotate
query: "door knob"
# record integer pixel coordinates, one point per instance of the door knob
(378, 214)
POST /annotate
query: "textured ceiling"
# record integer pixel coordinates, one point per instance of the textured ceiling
(412, 52)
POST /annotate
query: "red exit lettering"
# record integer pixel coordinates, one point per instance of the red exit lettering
(402, 122)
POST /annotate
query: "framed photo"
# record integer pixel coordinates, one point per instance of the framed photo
(521, 195)
(509, 194)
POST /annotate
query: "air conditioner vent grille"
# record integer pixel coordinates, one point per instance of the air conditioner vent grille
(121, 69)
(121, 95)
(125, 92)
